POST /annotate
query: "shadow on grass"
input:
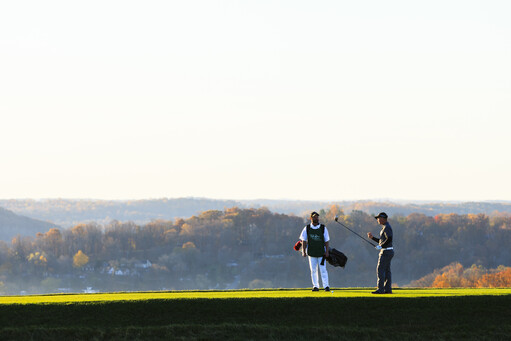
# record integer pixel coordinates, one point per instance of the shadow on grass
(309, 318)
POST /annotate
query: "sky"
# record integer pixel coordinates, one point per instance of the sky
(302, 100)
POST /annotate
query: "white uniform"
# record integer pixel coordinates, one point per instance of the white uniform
(315, 262)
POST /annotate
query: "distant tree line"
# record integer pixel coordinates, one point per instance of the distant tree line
(241, 248)
(67, 213)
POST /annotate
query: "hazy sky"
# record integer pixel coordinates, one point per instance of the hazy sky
(323, 100)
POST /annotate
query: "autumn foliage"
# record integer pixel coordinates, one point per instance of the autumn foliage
(80, 259)
(455, 276)
(242, 248)
(496, 280)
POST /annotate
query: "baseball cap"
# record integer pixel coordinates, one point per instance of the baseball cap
(381, 215)
(314, 213)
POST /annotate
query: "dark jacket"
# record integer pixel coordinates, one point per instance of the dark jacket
(385, 239)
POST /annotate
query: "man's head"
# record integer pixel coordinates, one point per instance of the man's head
(315, 218)
(381, 218)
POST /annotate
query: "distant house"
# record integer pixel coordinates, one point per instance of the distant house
(64, 290)
(89, 268)
(127, 269)
(89, 290)
(143, 265)
(118, 272)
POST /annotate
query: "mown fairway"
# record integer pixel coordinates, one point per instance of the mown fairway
(345, 314)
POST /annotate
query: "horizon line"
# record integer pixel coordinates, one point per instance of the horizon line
(382, 200)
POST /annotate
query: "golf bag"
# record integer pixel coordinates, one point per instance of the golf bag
(335, 258)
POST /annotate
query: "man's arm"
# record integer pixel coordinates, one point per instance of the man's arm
(303, 238)
(370, 236)
(326, 235)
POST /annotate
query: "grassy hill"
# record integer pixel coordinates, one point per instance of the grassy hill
(346, 314)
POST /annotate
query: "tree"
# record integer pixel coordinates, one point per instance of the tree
(52, 242)
(332, 212)
(501, 279)
(451, 278)
(80, 259)
(189, 245)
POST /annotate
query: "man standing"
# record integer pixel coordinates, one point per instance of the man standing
(315, 240)
(384, 282)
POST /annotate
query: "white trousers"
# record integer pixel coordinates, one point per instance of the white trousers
(314, 263)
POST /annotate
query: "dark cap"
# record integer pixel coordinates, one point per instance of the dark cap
(314, 213)
(381, 215)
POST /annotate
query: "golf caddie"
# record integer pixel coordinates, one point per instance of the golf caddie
(315, 240)
(384, 283)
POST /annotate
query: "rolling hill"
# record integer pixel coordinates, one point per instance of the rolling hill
(12, 225)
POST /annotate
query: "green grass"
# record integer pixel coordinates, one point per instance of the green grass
(231, 294)
(345, 314)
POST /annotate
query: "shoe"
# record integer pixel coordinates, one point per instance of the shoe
(315, 289)
(377, 292)
(388, 292)
(327, 289)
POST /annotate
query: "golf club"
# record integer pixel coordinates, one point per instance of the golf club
(337, 221)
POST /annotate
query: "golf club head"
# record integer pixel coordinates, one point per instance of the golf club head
(336, 218)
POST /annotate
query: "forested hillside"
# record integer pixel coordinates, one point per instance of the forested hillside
(69, 212)
(393, 208)
(240, 248)
(12, 224)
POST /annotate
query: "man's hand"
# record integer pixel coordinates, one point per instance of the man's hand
(326, 254)
(304, 254)
(378, 247)
(369, 235)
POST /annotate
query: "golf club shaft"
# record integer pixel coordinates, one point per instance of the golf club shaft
(355, 233)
